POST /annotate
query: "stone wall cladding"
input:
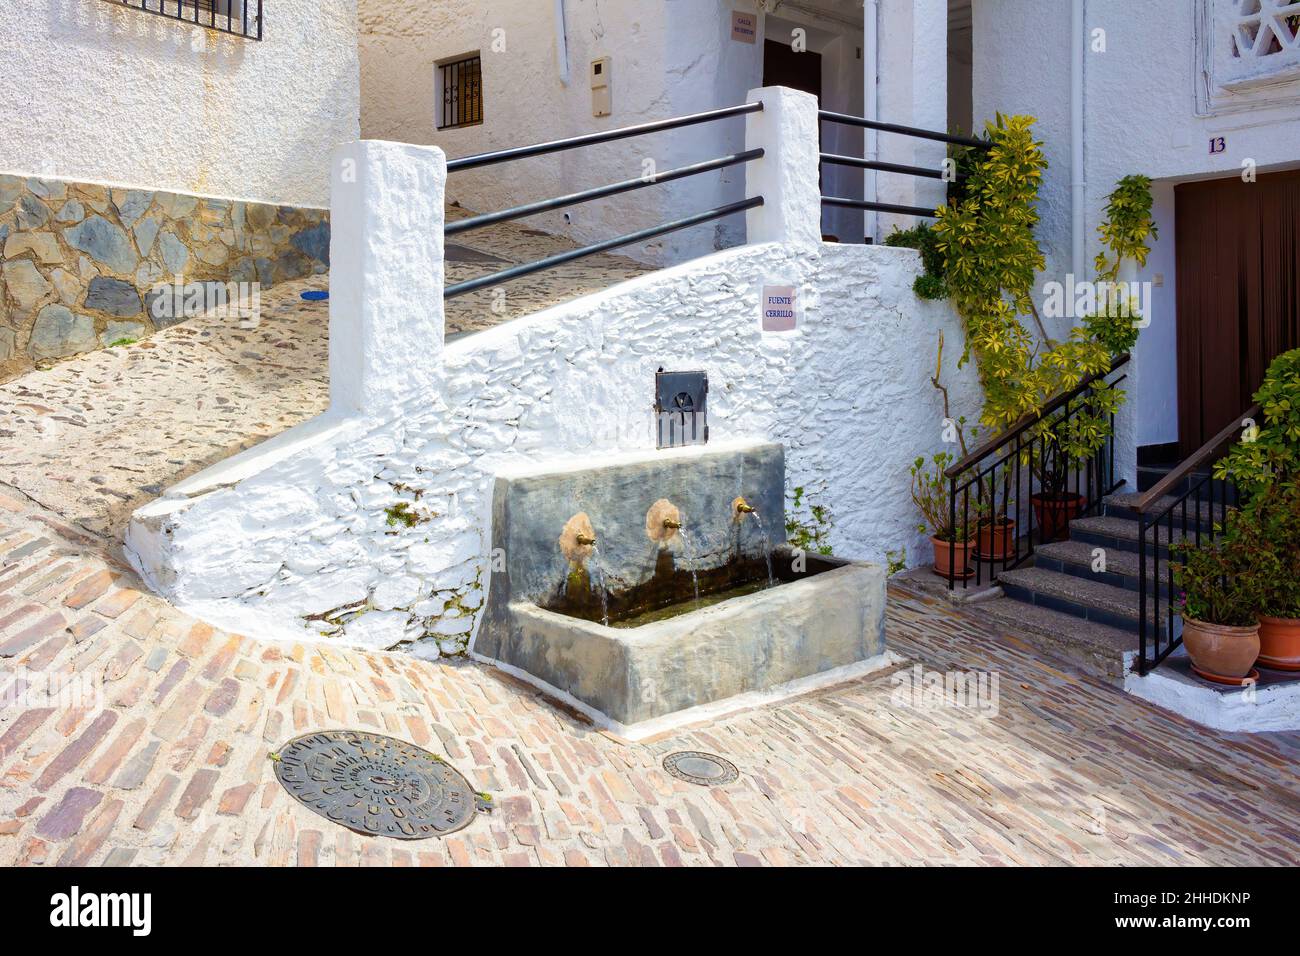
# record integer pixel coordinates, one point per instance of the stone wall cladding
(78, 260)
(375, 530)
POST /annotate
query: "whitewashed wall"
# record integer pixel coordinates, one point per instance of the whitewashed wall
(1141, 116)
(848, 394)
(99, 93)
(376, 514)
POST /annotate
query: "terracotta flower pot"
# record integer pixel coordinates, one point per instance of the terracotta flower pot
(1220, 649)
(1279, 643)
(1055, 512)
(952, 554)
(996, 540)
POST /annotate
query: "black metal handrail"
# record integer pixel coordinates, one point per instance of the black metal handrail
(516, 272)
(837, 160)
(880, 166)
(589, 139)
(247, 24)
(1001, 465)
(1028, 421)
(849, 120)
(587, 195)
(1163, 523)
(879, 206)
(599, 192)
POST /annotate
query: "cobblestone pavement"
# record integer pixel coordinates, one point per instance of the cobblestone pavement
(172, 765)
(97, 436)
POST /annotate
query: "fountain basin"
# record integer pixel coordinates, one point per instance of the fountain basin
(662, 655)
(754, 642)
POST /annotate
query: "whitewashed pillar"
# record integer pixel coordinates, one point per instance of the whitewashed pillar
(913, 91)
(386, 274)
(786, 177)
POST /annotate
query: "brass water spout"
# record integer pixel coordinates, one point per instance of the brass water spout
(662, 521)
(743, 507)
(585, 539)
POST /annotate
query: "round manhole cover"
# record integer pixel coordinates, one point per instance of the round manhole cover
(376, 785)
(708, 770)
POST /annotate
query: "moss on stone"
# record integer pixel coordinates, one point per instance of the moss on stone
(402, 514)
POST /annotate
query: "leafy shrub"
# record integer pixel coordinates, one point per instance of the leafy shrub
(1223, 581)
(1277, 517)
(1127, 226)
(930, 284)
(1270, 458)
(930, 493)
(1113, 327)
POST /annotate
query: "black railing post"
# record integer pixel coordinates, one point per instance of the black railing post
(952, 529)
(965, 524)
(1142, 594)
(1019, 478)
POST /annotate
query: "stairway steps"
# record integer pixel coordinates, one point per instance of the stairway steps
(1119, 533)
(1121, 506)
(1084, 645)
(1092, 601)
(1093, 616)
(1076, 558)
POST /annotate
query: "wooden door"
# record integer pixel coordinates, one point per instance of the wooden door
(1238, 270)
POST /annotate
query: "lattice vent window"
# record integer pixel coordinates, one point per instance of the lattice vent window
(1259, 40)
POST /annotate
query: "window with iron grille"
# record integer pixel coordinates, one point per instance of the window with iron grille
(461, 85)
(241, 18)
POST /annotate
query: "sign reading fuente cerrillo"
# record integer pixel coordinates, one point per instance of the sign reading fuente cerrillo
(744, 27)
(780, 311)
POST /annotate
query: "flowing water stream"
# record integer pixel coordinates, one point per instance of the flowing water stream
(597, 575)
(688, 549)
(767, 547)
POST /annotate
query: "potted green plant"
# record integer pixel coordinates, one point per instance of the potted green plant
(1269, 456)
(952, 541)
(1220, 594)
(1052, 460)
(1279, 619)
(1265, 466)
(995, 534)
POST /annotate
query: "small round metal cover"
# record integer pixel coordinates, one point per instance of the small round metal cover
(376, 785)
(707, 770)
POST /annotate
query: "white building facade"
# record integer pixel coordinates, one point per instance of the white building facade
(1203, 96)
(1178, 90)
(547, 70)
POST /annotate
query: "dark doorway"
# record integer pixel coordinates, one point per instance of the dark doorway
(1238, 263)
(782, 66)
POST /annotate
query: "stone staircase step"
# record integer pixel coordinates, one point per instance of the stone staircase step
(1076, 558)
(1118, 533)
(1087, 646)
(1148, 477)
(1121, 506)
(1093, 601)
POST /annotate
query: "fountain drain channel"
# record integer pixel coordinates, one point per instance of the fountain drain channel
(377, 785)
(707, 770)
